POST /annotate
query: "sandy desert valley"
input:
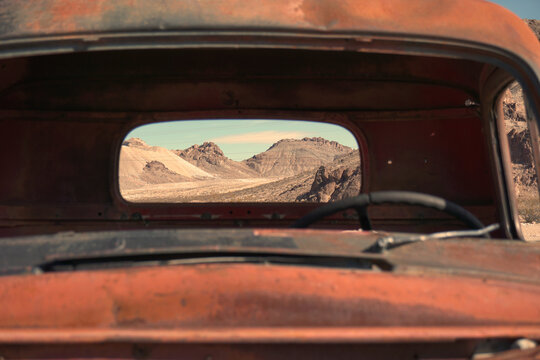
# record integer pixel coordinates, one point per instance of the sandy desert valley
(308, 169)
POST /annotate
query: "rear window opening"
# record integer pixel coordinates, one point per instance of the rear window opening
(239, 160)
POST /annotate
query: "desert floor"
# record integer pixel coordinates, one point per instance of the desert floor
(186, 191)
(531, 232)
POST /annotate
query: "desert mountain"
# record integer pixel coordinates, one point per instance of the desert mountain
(290, 157)
(335, 180)
(210, 158)
(310, 169)
(141, 164)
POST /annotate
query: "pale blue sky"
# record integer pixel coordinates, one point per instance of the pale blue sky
(239, 139)
(525, 9)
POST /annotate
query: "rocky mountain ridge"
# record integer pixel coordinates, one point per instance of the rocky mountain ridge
(211, 158)
(208, 152)
(319, 141)
(289, 157)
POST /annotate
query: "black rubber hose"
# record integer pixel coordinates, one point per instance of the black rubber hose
(429, 201)
(319, 213)
(390, 197)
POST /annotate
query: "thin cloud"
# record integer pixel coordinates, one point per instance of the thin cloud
(258, 137)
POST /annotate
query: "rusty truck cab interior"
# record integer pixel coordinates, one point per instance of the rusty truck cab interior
(423, 123)
(88, 272)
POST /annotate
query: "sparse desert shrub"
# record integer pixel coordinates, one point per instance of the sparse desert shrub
(529, 207)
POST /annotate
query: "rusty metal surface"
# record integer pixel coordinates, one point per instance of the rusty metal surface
(57, 26)
(498, 35)
(199, 298)
(460, 349)
(474, 257)
(84, 185)
(163, 80)
(445, 292)
(436, 291)
(451, 19)
(441, 290)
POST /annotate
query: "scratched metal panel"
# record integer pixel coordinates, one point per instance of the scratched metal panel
(453, 19)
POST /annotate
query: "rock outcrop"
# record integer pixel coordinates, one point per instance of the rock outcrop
(289, 157)
(201, 155)
(332, 185)
(520, 146)
(210, 158)
(135, 142)
(337, 180)
(519, 138)
(521, 153)
(155, 172)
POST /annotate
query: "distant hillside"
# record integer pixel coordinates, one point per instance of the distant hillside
(338, 179)
(141, 164)
(289, 157)
(210, 158)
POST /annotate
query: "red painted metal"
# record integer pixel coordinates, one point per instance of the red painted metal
(211, 298)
